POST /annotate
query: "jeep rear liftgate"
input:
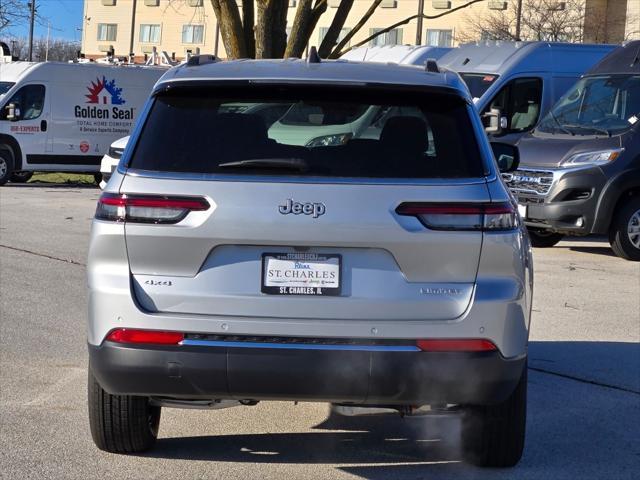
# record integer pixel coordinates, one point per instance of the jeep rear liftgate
(281, 193)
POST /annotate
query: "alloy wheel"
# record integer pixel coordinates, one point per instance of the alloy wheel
(633, 229)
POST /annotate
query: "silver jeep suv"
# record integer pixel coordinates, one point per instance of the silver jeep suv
(310, 231)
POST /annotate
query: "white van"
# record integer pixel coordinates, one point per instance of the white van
(63, 116)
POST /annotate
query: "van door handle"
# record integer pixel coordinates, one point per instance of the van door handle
(43, 126)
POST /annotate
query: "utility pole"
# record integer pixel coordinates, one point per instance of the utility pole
(32, 5)
(518, 19)
(419, 24)
(46, 52)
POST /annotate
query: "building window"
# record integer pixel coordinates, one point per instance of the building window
(393, 37)
(193, 34)
(439, 38)
(388, 4)
(343, 32)
(152, 3)
(150, 33)
(109, 3)
(107, 32)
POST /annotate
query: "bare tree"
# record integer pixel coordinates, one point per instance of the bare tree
(540, 20)
(55, 50)
(14, 13)
(259, 27)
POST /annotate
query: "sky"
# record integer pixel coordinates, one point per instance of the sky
(65, 16)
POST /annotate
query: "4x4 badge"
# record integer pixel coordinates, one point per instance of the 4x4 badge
(313, 209)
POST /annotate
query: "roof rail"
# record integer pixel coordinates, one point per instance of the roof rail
(431, 66)
(313, 56)
(196, 60)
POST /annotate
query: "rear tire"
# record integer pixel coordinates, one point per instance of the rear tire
(544, 238)
(121, 423)
(493, 435)
(6, 166)
(624, 235)
(21, 177)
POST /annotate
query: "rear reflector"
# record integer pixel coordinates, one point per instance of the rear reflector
(456, 345)
(147, 208)
(462, 216)
(156, 337)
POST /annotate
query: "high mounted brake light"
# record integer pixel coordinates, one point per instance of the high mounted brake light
(147, 208)
(462, 216)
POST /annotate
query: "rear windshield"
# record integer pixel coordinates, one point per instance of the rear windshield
(308, 131)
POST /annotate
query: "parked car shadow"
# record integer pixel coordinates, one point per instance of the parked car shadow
(603, 250)
(37, 184)
(582, 422)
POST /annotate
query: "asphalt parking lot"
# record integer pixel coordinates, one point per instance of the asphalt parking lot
(584, 381)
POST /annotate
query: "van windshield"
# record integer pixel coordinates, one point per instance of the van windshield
(322, 131)
(4, 87)
(600, 105)
(478, 83)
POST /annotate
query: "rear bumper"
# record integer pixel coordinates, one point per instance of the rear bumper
(339, 376)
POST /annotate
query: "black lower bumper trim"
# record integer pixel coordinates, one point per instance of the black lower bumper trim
(356, 377)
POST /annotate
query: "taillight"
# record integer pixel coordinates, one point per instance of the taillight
(456, 345)
(147, 208)
(462, 216)
(155, 337)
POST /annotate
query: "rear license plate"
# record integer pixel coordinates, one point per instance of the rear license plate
(301, 274)
(522, 210)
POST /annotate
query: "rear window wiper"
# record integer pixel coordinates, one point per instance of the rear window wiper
(587, 127)
(282, 163)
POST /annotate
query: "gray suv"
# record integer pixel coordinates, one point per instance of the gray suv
(310, 231)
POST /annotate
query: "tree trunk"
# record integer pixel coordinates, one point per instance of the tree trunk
(331, 38)
(228, 17)
(296, 41)
(279, 30)
(338, 50)
(248, 20)
(303, 26)
(271, 28)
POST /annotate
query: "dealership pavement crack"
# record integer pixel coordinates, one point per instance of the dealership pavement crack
(584, 380)
(51, 257)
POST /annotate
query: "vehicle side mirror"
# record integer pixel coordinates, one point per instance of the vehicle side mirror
(13, 112)
(497, 122)
(507, 156)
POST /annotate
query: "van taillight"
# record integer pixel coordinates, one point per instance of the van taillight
(462, 216)
(147, 208)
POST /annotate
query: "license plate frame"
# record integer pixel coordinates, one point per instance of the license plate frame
(522, 211)
(308, 289)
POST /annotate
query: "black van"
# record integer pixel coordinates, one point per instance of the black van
(580, 168)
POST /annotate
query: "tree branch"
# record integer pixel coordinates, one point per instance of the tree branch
(337, 52)
(333, 33)
(347, 38)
